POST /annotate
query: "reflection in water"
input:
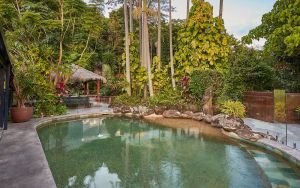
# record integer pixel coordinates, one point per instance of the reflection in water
(120, 152)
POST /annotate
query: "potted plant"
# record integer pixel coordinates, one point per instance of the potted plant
(23, 91)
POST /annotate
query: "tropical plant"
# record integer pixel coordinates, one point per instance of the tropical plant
(201, 80)
(235, 109)
(202, 42)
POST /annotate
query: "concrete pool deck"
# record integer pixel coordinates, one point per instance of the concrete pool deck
(24, 164)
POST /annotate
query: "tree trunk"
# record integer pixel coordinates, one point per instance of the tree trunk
(187, 9)
(141, 32)
(127, 48)
(159, 36)
(146, 50)
(130, 17)
(221, 9)
(171, 45)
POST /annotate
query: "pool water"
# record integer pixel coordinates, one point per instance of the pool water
(112, 152)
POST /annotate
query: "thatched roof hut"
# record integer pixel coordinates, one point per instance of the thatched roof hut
(82, 75)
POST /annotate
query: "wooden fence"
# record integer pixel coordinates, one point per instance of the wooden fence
(260, 105)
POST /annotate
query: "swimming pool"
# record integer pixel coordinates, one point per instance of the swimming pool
(125, 152)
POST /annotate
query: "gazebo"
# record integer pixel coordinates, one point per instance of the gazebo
(85, 76)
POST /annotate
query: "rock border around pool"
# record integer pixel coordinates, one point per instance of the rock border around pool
(231, 127)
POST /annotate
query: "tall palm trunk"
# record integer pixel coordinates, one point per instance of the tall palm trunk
(141, 31)
(221, 9)
(146, 48)
(187, 9)
(130, 16)
(171, 45)
(159, 35)
(127, 48)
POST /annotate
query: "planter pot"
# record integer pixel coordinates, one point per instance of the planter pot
(19, 115)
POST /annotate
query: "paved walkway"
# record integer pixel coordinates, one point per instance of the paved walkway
(277, 129)
(23, 163)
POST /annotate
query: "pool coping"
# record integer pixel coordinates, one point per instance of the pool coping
(39, 180)
(292, 155)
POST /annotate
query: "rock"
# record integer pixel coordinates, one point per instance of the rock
(135, 110)
(207, 102)
(229, 129)
(198, 116)
(216, 119)
(117, 110)
(207, 118)
(187, 115)
(172, 114)
(142, 109)
(248, 134)
(126, 109)
(148, 112)
(159, 110)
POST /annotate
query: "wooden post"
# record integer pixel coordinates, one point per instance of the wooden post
(85, 88)
(98, 91)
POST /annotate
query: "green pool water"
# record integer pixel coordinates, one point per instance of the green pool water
(111, 152)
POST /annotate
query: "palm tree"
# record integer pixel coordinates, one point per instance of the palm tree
(171, 45)
(187, 8)
(159, 34)
(146, 48)
(221, 9)
(127, 48)
(130, 16)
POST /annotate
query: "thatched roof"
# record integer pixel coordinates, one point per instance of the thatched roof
(82, 75)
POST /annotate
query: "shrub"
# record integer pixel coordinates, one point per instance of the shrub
(128, 100)
(234, 108)
(201, 80)
(168, 97)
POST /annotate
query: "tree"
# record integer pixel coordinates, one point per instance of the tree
(187, 8)
(202, 41)
(159, 35)
(221, 9)
(171, 45)
(280, 27)
(127, 48)
(146, 49)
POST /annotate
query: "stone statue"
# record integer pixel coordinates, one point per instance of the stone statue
(207, 107)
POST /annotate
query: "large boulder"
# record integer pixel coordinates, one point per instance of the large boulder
(117, 110)
(159, 110)
(215, 120)
(207, 118)
(199, 116)
(148, 112)
(172, 114)
(187, 115)
(126, 109)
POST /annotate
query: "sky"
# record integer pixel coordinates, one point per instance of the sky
(239, 15)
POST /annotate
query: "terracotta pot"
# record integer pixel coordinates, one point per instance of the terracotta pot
(19, 115)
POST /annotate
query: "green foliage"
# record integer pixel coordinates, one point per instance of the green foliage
(235, 109)
(202, 41)
(201, 80)
(49, 105)
(249, 69)
(160, 76)
(280, 27)
(128, 100)
(168, 97)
